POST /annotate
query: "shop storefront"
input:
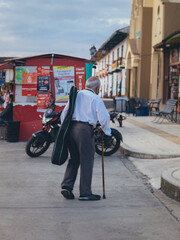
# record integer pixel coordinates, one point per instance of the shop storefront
(6, 76)
(174, 75)
(170, 48)
(2, 77)
(35, 77)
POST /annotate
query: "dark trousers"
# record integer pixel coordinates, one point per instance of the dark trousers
(82, 149)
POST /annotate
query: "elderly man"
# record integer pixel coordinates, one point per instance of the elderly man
(89, 109)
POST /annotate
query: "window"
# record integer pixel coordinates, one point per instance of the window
(117, 53)
(158, 11)
(122, 51)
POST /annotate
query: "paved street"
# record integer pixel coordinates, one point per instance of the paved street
(32, 208)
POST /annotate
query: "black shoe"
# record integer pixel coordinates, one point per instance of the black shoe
(67, 194)
(91, 197)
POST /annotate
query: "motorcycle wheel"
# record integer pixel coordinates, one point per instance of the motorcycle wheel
(111, 145)
(36, 146)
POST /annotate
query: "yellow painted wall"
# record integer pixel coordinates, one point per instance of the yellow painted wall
(157, 22)
(172, 18)
(148, 3)
(140, 36)
(157, 37)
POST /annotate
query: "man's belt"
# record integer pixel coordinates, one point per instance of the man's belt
(82, 122)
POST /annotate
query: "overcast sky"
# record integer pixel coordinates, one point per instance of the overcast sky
(67, 27)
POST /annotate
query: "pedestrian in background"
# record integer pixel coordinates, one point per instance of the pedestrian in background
(7, 114)
(1, 99)
(6, 98)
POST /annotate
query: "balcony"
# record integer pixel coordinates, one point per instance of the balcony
(117, 65)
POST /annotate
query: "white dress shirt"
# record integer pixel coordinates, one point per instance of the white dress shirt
(90, 108)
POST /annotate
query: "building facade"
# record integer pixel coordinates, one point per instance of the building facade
(138, 55)
(152, 57)
(110, 64)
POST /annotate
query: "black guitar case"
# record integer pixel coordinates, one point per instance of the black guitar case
(60, 150)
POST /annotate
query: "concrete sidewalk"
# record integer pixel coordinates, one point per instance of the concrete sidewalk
(145, 139)
(153, 148)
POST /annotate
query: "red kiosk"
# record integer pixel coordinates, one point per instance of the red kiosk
(34, 77)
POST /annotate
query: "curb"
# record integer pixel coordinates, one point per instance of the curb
(129, 152)
(170, 183)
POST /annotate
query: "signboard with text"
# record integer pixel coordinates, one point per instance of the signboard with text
(42, 100)
(29, 90)
(43, 71)
(80, 78)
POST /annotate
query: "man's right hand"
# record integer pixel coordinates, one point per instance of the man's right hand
(100, 132)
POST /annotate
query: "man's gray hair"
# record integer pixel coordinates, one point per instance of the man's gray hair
(93, 82)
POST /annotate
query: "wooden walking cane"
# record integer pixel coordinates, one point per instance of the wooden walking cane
(103, 179)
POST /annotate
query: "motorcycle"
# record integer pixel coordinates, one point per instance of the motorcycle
(41, 140)
(111, 143)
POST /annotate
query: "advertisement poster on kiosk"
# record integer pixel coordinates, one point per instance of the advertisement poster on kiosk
(43, 84)
(26, 75)
(42, 100)
(33, 82)
(64, 80)
(29, 90)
